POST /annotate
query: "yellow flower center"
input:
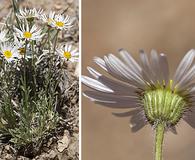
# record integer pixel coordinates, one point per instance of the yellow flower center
(59, 24)
(21, 51)
(8, 54)
(67, 55)
(27, 35)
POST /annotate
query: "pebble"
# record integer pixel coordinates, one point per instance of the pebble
(64, 142)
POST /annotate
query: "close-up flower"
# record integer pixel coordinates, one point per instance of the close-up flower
(157, 98)
(9, 51)
(48, 19)
(69, 53)
(3, 36)
(29, 33)
(20, 45)
(29, 14)
(62, 22)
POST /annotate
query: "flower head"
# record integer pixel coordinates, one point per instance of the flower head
(68, 53)
(29, 33)
(147, 87)
(49, 20)
(62, 22)
(29, 14)
(3, 35)
(9, 51)
(20, 45)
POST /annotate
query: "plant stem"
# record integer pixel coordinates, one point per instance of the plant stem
(24, 78)
(48, 38)
(55, 42)
(33, 66)
(159, 136)
(15, 9)
(24, 61)
(50, 60)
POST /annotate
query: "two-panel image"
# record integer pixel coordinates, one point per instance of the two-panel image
(97, 80)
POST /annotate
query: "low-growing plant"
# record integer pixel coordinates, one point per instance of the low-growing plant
(32, 74)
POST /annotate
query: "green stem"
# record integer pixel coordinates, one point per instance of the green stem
(15, 9)
(15, 6)
(159, 136)
(50, 60)
(45, 39)
(56, 38)
(33, 66)
(24, 61)
(48, 38)
(24, 78)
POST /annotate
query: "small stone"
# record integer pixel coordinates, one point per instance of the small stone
(8, 157)
(7, 147)
(70, 1)
(64, 142)
(49, 143)
(22, 158)
(74, 147)
(58, 6)
(52, 154)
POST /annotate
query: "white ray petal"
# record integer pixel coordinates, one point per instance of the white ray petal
(155, 65)
(117, 86)
(187, 79)
(109, 100)
(124, 71)
(164, 67)
(100, 62)
(94, 84)
(184, 65)
(133, 65)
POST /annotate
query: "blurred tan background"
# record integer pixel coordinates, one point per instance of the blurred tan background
(107, 25)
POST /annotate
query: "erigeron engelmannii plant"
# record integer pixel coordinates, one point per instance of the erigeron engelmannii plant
(48, 19)
(162, 100)
(68, 53)
(9, 51)
(29, 14)
(32, 77)
(57, 21)
(28, 33)
(62, 22)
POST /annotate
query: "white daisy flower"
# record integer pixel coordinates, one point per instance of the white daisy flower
(3, 35)
(9, 51)
(29, 14)
(29, 34)
(20, 45)
(134, 85)
(157, 98)
(49, 20)
(61, 22)
(68, 53)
